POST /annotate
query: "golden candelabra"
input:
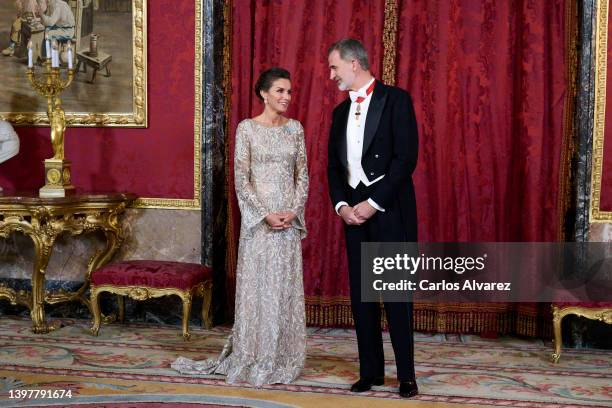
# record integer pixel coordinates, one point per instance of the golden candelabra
(50, 84)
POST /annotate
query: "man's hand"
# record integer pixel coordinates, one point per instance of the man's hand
(275, 221)
(363, 211)
(348, 215)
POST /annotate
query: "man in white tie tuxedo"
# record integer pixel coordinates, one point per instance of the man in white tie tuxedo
(372, 152)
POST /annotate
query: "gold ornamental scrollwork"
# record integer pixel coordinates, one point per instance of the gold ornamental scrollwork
(16, 297)
(139, 293)
(43, 220)
(390, 42)
(603, 314)
(146, 292)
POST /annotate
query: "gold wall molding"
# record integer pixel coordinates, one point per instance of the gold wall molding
(138, 116)
(389, 42)
(195, 202)
(599, 120)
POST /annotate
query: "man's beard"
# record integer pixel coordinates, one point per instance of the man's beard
(342, 86)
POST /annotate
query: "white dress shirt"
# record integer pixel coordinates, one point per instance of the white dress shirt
(354, 143)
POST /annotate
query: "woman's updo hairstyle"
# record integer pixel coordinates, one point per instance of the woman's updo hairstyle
(267, 78)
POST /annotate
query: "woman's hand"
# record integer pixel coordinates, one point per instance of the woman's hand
(275, 221)
(287, 218)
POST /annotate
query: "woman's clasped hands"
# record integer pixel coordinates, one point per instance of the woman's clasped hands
(280, 220)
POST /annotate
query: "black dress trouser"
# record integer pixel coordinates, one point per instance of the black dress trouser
(381, 227)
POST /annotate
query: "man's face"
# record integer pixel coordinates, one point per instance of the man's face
(341, 71)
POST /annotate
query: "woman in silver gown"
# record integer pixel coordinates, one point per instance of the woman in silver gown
(268, 341)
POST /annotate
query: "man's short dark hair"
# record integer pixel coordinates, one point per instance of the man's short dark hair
(350, 49)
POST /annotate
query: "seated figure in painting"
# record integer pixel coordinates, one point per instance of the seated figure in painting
(58, 19)
(9, 142)
(27, 11)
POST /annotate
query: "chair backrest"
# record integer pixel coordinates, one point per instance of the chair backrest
(84, 20)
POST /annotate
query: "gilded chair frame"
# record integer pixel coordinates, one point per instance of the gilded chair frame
(594, 313)
(203, 289)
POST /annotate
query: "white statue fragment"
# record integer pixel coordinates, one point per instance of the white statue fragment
(9, 142)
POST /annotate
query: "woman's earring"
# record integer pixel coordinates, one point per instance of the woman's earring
(266, 100)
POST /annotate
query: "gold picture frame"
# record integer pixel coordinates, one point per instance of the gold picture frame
(134, 116)
(601, 55)
(194, 203)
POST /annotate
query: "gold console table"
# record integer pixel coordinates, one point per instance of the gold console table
(43, 220)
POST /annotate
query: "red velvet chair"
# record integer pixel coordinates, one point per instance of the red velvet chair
(594, 310)
(142, 280)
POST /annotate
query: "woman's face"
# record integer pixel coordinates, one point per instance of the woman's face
(279, 95)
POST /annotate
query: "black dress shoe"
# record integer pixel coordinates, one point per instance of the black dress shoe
(365, 384)
(408, 389)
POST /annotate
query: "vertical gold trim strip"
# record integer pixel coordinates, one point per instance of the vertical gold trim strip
(140, 101)
(389, 42)
(197, 120)
(599, 120)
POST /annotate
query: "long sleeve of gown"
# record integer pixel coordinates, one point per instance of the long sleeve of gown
(252, 210)
(301, 183)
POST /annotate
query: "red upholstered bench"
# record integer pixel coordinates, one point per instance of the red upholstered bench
(142, 280)
(593, 310)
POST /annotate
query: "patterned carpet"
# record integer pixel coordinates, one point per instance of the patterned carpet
(128, 366)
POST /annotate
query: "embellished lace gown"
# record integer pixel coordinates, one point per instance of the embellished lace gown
(268, 341)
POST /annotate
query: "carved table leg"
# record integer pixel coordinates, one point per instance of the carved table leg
(114, 238)
(42, 247)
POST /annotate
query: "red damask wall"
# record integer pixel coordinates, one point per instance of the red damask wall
(153, 162)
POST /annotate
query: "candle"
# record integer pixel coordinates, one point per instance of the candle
(54, 56)
(69, 55)
(30, 62)
(47, 46)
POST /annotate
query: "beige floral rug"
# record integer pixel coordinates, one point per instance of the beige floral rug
(129, 365)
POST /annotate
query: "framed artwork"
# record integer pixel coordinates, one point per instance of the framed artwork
(601, 173)
(110, 42)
